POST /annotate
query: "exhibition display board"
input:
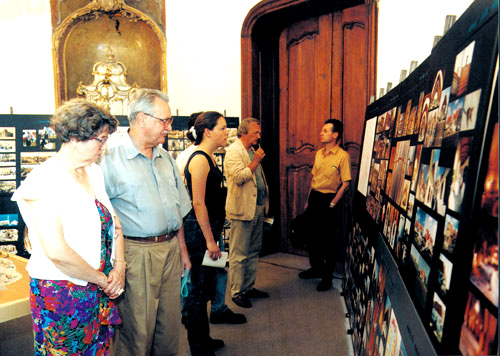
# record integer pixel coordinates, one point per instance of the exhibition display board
(422, 262)
(27, 141)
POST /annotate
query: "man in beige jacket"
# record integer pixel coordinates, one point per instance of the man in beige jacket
(247, 203)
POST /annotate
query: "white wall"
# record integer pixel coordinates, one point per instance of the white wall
(406, 32)
(27, 77)
(203, 74)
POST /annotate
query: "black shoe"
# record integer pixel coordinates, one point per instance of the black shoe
(227, 317)
(215, 344)
(324, 285)
(255, 293)
(309, 274)
(242, 301)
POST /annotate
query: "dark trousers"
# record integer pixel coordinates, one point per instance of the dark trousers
(201, 288)
(322, 242)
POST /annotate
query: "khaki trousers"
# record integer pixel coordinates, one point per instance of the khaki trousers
(245, 243)
(150, 307)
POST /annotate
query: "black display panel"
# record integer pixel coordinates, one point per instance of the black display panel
(27, 141)
(430, 196)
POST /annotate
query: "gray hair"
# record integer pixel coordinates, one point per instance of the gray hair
(244, 124)
(143, 101)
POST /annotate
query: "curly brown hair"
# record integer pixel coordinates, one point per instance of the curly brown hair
(82, 120)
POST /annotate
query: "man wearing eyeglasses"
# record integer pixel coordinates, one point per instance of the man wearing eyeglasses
(149, 196)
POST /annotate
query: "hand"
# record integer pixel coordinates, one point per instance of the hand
(115, 281)
(259, 154)
(213, 251)
(186, 262)
(103, 280)
(332, 204)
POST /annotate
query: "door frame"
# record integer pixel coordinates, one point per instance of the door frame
(260, 91)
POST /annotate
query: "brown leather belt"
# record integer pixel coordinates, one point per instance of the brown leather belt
(161, 238)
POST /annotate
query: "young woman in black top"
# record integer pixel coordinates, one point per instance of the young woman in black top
(205, 184)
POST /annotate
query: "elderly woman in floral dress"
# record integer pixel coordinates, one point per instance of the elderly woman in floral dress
(77, 264)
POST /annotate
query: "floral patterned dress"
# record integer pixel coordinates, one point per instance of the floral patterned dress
(69, 319)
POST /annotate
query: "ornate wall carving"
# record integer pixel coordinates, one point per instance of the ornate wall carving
(85, 37)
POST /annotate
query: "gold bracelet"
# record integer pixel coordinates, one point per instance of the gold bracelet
(119, 260)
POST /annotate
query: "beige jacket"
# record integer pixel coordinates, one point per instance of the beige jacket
(241, 184)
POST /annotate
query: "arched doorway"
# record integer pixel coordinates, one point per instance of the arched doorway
(304, 62)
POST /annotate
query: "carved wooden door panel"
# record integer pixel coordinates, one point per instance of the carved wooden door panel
(305, 57)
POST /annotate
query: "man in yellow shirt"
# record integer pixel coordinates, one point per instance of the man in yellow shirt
(331, 179)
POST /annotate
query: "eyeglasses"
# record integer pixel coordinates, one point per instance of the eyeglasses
(102, 141)
(163, 121)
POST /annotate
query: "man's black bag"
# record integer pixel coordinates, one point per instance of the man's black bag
(298, 231)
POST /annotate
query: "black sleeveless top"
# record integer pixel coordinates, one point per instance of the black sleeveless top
(215, 192)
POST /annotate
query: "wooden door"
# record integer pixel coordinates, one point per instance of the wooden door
(305, 72)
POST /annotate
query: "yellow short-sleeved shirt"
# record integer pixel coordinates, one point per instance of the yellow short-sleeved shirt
(330, 169)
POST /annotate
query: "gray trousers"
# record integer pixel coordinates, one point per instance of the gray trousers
(245, 243)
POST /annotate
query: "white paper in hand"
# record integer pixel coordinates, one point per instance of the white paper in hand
(220, 263)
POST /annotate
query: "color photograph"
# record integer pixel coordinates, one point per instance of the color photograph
(7, 173)
(422, 270)
(479, 329)
(439, 199)
(7, 159)
(390, 117)
(398, 172)
(437, 316)
(406, 119)
(422, 182)
(35, 158)
(424, 234)
(450, 233)
(7, 187)
(484, 273)
(410, 162)
(29, 138)
(454, 117)
(7, 220)
(441, 117)
(430, 130)
(423, 118)
(416, 166)
(461, 70)
(380, 123)
(411, 121)
(26, 169)
(7, 146)
(402, 242)
(437, 89)
(460, 170)
(444, 274)
(418, 118)
(411, 204)
(400, 232)
(9, 235)
(400, 122)
(471, 105)
(47, 138)
(7, 133)
(404, 194)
